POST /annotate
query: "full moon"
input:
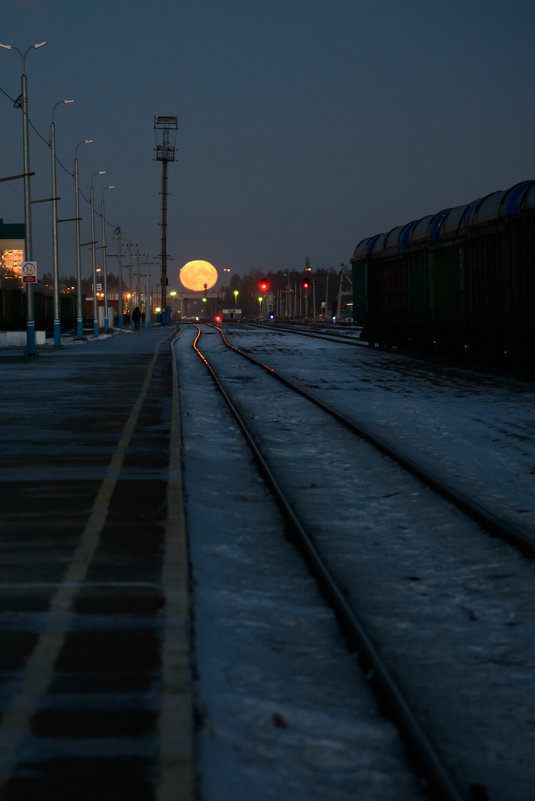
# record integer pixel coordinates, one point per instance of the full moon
(195, 274)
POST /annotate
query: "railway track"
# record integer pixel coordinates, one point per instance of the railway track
(338, 582)
(347, 337)
(519, 536)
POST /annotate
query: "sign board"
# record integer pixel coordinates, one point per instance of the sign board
(29, 272)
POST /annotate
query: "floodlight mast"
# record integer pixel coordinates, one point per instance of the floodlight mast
(165, 152)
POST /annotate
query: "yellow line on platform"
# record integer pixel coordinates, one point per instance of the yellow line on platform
(177, 765)
(39, 669)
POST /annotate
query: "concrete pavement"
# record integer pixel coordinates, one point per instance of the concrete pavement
(94, 618)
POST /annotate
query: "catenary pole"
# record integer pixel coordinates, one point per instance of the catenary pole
(94, 253)
(28, 250)
(79, 299)
(104, 261)
(120, 269)
(55, 260)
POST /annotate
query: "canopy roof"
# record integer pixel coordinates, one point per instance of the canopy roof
(10, 231)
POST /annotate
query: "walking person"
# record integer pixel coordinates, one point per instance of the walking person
(136, 317)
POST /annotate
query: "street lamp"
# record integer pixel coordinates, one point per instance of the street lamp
(236, 293)
(260, 306)
(57, 322)
(30, 317)
(148, 321)
(79, 314)
(120, 312)
(106, 318)
(93, 253)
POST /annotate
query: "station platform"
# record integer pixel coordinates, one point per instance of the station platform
(95, 687)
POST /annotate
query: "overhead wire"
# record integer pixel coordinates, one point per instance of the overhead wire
(17, 104)
(9, 96)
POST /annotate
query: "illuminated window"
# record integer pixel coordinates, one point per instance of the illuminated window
(11, 266)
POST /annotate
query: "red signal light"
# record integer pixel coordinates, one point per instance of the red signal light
(305, 284)
(263, 286)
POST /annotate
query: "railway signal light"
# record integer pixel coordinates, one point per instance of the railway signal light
(305, 285)
(263, 286)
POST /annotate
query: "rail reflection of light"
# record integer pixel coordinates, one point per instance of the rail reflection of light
(233, 347)
(196, 349)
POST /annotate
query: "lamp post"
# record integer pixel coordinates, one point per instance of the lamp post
(147, 295)
(93, 252)
(30, 317)
(79, 315)
(120, 314)
(260, 299)
(57, 321)
(130, 265)
(138, 275)
(106, 318)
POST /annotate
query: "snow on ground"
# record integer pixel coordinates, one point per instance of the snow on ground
(280, 717)
(284, 709)
(472, 428)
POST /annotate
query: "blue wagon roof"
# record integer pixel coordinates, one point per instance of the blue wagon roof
(449, 223)
(421, 229)
(365, 246)
(528, 198)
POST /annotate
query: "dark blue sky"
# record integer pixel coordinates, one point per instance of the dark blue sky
(304, 125)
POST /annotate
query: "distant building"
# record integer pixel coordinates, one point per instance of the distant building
(11, 253)
(233, 313)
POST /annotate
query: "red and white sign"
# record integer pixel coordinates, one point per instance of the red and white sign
(29, 272)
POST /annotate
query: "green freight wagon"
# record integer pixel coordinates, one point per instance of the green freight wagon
(460, 281)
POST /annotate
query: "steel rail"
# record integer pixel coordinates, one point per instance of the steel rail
(420, 745)
(315, 335)
(520, 537)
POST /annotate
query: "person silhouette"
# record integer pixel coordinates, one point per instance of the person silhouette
(136, 317)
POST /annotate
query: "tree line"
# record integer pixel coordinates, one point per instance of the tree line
(288, 290)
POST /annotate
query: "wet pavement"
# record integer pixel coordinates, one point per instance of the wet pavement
(94, 670)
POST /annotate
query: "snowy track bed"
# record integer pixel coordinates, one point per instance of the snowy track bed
(451, 609)
(476, 429)
(283, 710)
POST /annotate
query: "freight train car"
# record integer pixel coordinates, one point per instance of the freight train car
(13, 311)
(460, 281)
